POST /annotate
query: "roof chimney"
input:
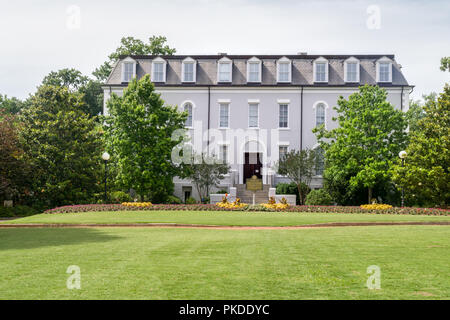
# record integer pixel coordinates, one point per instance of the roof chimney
(222, 53)
(302, 53)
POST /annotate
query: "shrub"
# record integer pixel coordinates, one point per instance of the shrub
(173, 200)
(191, 200)
(119, 197)
(17, 211)
(291, 188)
(221, 192)
(318, 198)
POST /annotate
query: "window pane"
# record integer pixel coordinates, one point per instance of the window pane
(283, 123)
(158, 72)
(128, 71)
(320, 71)
(320, 162)
(189, 72)
(224, 153)
(352, 72)
(253, 116)
(254, 71)
(384, 71)
(282, 152)
(320, 114)
(188, 109)
(224, 108)
(283, 71)
(224, 72)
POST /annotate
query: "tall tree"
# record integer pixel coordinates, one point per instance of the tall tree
(75, 81)
(370, 135)
(130, 46)
(445, 64)
(63, 146)
(426, 176)
(416, 111)
(10, 105)
(298, 166)
(139, 136)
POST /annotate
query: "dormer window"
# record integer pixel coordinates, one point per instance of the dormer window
(351, 70)
(384, 70)
(321, 70)
(128, 69)
(284, 67)
(189, 70)
(254, 70)
(159, 70)
(224, 70)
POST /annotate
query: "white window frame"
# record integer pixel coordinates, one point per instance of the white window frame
(325, 113)
(222, 147)
(223, 103)
(224, 60)
(250, 103)
(282, 145)
(379, 62)
(128, 60)
(317, 146)
(183, 105)
(257, 61)
(351, 60)
(159, 60)
(186, 61)
(280, 103)
(318, 61)
(287, 61)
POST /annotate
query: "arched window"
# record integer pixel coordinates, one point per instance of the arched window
(188, 109)
(320, 162)
(320, 114)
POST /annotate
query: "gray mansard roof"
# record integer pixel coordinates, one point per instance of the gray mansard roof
(302, 70)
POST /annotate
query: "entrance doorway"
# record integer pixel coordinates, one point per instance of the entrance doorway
(252, 165)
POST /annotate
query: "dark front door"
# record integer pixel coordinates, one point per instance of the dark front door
(252, 165)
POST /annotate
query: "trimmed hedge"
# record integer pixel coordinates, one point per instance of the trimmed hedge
(17, 211)
(213, 207)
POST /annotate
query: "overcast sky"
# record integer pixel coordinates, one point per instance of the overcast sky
(47, 35)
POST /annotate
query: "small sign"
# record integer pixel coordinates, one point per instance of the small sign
(254, 184)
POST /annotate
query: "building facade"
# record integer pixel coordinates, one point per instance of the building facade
(250, 110)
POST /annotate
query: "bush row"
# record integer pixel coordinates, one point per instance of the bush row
(213, 207)
(17, 211)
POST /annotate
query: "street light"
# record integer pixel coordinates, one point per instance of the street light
(402, 155)
(106, 157)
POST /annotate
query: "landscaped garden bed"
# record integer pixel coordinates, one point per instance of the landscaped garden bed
(213, 207)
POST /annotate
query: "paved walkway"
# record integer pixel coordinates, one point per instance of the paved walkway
(194, 226)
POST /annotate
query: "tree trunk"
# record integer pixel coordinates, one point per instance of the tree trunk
(300, 195)
(370, 195)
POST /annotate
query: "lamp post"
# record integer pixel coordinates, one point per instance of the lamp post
(402, 155)
(105, 157)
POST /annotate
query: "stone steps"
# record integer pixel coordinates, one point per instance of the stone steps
(246, 196)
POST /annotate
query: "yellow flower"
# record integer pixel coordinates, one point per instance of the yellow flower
(376, 206)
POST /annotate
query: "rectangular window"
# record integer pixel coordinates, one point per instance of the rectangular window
(158, 72)
(384, 72)
(224, 153)
(282, 151)
(283, 72)
(253, 115)
(352, 72)
(188, 72)
(128, 72)
(321, 75)
(224, 115)
(320, 162)
(225, 72)
(188, 109)
(283, 118)
(253, 72)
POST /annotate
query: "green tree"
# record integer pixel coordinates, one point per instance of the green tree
(14, 171)
(425, 176)
(75, 81)
(445, 64)
(63, 146)
(130, 46)
(10, 105)
(361, 150)
(298, 166)
(138, 133)
(206, 172)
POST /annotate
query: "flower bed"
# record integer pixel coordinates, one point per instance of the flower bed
(213, 207)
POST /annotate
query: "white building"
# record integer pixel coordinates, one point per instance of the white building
(250, 109)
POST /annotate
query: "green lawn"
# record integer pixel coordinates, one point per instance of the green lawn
(169, 263)
(220, 218)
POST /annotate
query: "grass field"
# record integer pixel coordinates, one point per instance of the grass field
(157, 263)
(220, 218)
